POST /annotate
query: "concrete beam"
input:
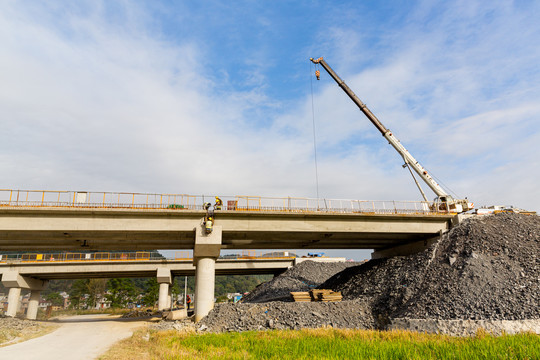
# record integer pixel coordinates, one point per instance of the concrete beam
(207, 245)
(12, 279)
(164, 275)
(135, 229)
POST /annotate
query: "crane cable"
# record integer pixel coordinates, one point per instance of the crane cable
(314, 135)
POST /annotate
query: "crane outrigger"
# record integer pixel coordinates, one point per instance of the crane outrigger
(443, 201)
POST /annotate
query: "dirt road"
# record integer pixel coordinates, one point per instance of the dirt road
(77, 338)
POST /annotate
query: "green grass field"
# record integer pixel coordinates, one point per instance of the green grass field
(324, 344)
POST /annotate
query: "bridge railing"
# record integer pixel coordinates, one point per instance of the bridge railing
(85, 199)
(133, 256)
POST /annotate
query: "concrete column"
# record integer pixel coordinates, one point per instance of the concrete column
(13, 301)
(163, 296)
(205, 253)
(164, 279)
(33, 304)
(204, 286)
(169, 298)
(15, 282)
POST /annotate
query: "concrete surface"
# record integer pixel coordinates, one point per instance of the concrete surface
(132, 229)
(81, 337)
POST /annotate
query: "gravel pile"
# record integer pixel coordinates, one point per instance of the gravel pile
(302, 277)
(11, 327)
(486, 268)
(285, 315)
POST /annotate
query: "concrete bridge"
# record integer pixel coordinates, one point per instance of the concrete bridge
(390, 228)
(34, 275)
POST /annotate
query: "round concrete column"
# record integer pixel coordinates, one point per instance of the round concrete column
(169, 298)
(13, 301)
(204, 286)
(33, 304)
(163, 296)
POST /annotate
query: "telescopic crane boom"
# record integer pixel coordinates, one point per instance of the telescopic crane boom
(445, 199)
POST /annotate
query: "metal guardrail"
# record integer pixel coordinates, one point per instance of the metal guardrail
(131, 256)
(120, 200)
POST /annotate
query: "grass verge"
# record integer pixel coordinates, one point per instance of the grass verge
(323, 344)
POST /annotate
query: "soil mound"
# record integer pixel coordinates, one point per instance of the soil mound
(486, 268)
(302, 277)
(284, 315)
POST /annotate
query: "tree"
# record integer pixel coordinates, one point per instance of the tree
(152, 292)
(120, 292)
(78, 290)
(96, 289)
(55, 299)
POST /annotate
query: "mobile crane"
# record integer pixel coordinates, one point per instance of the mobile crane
(443, 201)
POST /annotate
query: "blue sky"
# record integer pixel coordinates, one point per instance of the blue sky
(210, 97)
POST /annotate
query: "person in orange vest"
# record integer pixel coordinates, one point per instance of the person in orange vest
(188, 301)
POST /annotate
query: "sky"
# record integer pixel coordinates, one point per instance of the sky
(213, 97)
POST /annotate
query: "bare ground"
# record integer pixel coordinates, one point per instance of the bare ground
(78, 337)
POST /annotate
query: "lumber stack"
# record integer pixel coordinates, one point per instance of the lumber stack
(325, 295)
(301, 296)
(317, 295)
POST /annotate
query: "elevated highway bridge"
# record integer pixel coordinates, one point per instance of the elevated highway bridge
(45, 220)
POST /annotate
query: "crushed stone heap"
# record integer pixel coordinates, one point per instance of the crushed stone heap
(302, 277)
(287, 315)
(485, 268)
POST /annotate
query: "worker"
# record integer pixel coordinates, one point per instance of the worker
(219, 204)
(188, 301)
(206, 205)
(208, 224)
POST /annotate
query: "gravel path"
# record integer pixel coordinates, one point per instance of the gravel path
(78, 338)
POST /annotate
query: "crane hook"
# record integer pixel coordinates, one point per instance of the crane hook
(318, 74)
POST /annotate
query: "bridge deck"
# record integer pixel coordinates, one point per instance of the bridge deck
(50, 228)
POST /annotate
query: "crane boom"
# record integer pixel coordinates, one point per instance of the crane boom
(396, 144)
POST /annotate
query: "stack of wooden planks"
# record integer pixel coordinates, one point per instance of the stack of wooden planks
(325, 295)
(317, 295)
(301, 296)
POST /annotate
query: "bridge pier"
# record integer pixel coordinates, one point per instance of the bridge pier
(164, 278)
(206, 251)
(15, 282)
(13, 301)
(33, 304)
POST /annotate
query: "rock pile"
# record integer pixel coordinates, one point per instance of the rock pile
(287, 315)
(483, 273)
(302, 277)
(486, 268)
(11, 327)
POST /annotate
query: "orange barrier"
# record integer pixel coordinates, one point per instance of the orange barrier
(85, 199)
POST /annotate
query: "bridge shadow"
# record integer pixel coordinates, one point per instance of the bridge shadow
(94, 318)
